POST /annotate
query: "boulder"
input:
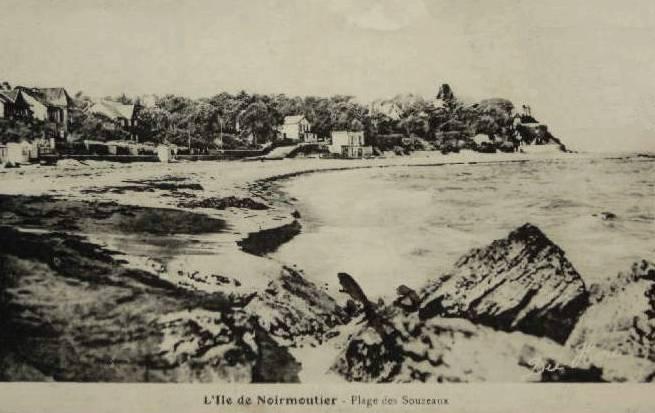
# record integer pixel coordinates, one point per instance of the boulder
(523, 282)
(294, 310)
(621, 317)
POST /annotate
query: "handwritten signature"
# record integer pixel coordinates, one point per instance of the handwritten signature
(586, 355)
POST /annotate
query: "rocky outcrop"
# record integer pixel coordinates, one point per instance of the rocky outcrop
(294, 310)
(621, 319)
(70, 312)
(269, 240)
(523, 282)
(456, 350)
(395, 345)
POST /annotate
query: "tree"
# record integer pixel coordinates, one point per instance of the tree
(260, 121)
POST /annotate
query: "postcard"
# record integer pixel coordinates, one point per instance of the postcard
(327, 205)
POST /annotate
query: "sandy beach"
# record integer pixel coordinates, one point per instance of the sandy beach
(136, 185)
(217, 231)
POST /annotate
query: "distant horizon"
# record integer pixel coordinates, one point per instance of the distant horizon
(585, 69)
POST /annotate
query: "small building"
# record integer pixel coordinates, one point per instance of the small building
(297, 128)
(349, 144)
(119, 114)
(482, 139)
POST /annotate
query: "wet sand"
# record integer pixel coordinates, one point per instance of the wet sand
(203, 227)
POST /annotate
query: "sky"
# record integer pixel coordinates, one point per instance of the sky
(586, 68)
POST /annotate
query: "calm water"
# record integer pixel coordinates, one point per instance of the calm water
(405, 225)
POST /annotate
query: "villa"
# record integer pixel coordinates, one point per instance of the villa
(349, 144)
(51, 105)
(297, 128)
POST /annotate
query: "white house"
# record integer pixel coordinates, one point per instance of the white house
(349, 144)
(297, 128)
(482, 138)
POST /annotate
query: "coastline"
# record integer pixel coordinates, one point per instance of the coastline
(258, 181)
(208, 264)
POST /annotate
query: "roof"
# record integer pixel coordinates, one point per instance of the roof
(113, 110)
(11, 95)
(51, 96)
(292, 120)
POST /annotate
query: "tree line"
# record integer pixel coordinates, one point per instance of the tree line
(242, 119)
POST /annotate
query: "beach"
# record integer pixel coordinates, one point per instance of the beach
(225, 231)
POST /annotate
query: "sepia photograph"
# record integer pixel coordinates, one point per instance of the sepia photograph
(329, 193)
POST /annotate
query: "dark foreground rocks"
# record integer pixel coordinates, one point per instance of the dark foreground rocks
(456, 350)
(72, 313)
(621, 319)
(503, 314)
(453, 350)
(523, 282)
(294, 310)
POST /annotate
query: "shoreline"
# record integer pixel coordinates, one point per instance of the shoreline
(207, 263)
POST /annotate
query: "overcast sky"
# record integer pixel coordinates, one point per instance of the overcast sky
(587, 68)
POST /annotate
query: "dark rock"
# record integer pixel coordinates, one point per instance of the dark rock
(269, 240)
(523, 282)
(224, 203)
(407, 299)
(292, 308)
(46, 212)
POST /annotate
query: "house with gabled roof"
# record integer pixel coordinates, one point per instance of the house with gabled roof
(297, 128)
(349, 144)
(51, 104)
(13, 104)
(121, 115)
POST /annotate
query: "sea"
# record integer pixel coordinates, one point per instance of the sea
(409, 224)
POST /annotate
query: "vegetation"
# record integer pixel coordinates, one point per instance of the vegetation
(249, 120)
(18, 129)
